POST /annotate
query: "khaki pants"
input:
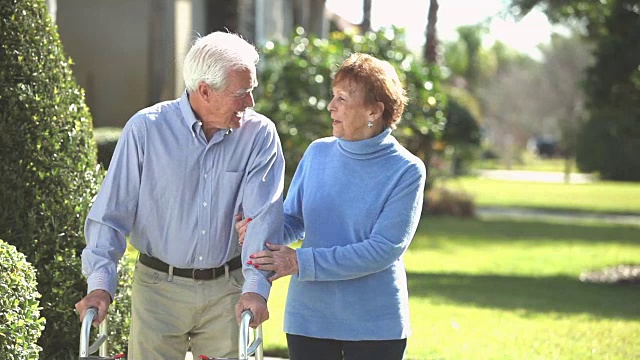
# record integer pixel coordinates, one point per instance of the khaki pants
(170, 313)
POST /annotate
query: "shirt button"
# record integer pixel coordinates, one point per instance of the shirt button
(205, 176)
(204, 203)
(200, 258)
(204, 232)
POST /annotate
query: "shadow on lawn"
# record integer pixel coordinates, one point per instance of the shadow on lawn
(544, 295)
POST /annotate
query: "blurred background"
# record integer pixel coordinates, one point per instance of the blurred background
(527, 113)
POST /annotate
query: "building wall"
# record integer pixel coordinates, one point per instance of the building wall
(107, 41)
(127, 54)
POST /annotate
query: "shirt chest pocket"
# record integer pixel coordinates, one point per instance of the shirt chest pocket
(227, 190)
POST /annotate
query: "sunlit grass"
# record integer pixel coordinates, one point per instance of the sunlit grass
(510, 290)
(505, 289)
(602, 196)
(526, 161)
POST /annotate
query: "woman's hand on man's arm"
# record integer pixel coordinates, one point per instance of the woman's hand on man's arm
(241, 227)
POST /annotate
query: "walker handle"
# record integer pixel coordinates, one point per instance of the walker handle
(85, 331)
(247, 349)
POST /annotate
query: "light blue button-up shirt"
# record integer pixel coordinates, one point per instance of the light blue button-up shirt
(176, 194)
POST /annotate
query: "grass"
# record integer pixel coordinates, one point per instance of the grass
(601, 196)
(525, 161)
(510, 290)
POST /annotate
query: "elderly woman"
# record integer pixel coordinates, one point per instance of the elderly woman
(356, 200)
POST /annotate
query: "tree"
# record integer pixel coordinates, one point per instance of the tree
(565, 60)
(309, 14)
(471, 36)
(609, 141)
(432, 43)
(511, 108)
(366, 16)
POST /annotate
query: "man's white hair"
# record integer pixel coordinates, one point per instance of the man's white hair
(212, 57)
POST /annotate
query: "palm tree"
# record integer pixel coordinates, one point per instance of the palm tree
(366, 16)
(431, 46)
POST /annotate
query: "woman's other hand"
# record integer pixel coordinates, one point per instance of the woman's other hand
(279, 258)
(241, 227)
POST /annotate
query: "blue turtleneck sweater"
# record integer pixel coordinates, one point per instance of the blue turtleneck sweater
(357, 205)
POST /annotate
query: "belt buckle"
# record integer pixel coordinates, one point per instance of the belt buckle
(193, 273)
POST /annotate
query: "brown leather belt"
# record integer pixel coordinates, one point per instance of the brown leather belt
(196, 274)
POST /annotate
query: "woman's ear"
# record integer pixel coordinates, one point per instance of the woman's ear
(377, 109)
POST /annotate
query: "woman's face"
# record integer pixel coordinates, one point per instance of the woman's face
(349, 113)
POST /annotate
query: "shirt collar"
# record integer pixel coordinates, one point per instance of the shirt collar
(187, 112)
(190, 117)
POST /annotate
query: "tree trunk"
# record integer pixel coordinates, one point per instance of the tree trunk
(222, 15)
(52, 7)
(567, 169)
(366, 16)
(309, 14)
(431, 45)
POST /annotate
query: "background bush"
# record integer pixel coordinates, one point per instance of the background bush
(48, 169)
(440, 201)
(20, 321)
(295, 78)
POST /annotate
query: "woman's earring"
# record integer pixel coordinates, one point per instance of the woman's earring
(370, 124)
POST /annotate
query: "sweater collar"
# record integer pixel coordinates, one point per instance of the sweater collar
(367, 148)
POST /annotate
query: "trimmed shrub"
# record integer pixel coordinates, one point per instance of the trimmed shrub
(440, 201)
(20, 321)
(106, 139)
(48, 169)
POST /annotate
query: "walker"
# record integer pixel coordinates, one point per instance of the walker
(245, 349)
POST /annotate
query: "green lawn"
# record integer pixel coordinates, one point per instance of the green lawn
(525, 162)
(510, 290)
(601, 196)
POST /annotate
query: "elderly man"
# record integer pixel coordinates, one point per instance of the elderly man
(180, 172)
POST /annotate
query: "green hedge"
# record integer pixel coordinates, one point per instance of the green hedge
(48, 169)
(20, 321)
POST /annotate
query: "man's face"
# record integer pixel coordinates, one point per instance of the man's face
(226, 106)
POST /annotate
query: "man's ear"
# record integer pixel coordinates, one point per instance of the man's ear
(204, 91)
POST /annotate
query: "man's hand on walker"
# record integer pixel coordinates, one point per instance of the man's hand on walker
(256, 304)
(99, 299)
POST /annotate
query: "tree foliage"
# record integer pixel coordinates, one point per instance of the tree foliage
(296, 88)
(610, 138)
(610, 143)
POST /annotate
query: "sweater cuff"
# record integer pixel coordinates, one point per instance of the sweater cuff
(306, 265)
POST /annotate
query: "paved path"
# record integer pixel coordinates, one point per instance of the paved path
(542, 176)
(190, 357)
(548, 176)
(524, 213)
